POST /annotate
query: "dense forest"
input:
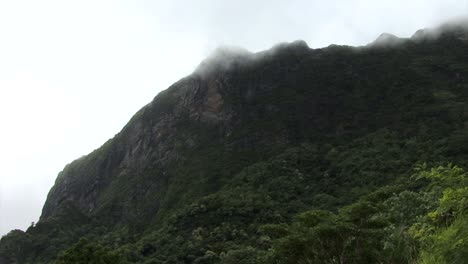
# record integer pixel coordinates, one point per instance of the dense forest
(291, 155)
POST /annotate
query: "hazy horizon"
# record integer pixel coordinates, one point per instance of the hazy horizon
(73, 73)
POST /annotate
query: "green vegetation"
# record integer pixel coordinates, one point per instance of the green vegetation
(335, 155)
(84, 252)
(404, 227)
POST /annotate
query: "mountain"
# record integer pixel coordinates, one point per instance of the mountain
(290, 155)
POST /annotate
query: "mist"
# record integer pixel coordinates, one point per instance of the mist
(73, 73)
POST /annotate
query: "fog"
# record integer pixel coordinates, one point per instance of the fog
(72, 73)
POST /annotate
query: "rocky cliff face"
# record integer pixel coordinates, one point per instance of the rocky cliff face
(157, 135)
(150, 139)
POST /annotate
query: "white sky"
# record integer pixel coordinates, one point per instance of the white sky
(72, 73)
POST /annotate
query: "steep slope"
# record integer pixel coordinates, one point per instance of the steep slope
(253, 139)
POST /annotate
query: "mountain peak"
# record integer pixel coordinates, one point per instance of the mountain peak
(223, 58)
(456, 28)
(386, 40)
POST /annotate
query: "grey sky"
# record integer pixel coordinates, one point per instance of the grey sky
(72, 73)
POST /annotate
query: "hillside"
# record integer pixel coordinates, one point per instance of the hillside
(291, 155)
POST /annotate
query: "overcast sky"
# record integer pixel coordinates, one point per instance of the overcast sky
(72, 73)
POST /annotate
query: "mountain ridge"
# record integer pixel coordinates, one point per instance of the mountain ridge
(238, 117)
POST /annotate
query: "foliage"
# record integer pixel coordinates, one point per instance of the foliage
(84, 252)
(444, 232)
(391, 230)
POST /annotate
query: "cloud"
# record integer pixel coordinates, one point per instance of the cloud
(222, 59)
(458, 26)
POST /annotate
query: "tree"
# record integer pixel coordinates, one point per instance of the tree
(84, 252)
